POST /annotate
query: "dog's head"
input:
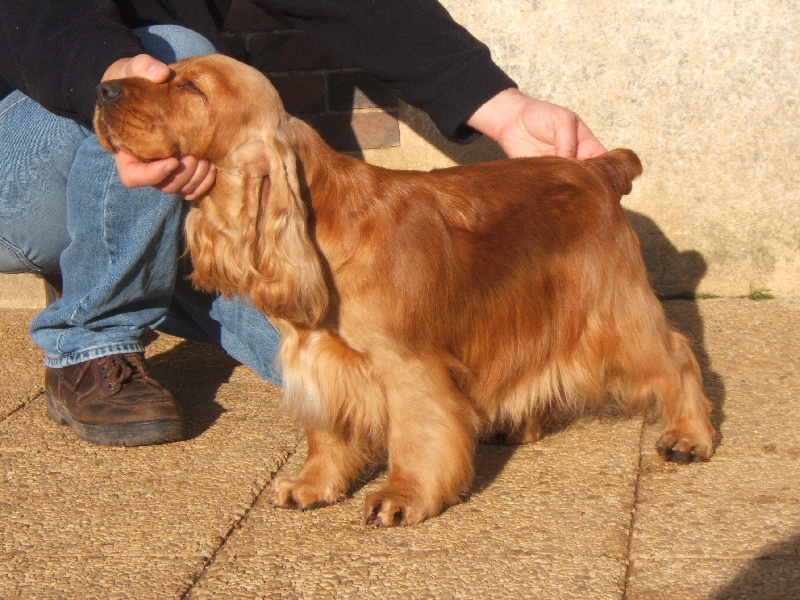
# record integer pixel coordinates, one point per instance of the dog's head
(249, 235)
(212, 107)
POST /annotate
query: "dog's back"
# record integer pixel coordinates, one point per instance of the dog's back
(560, 256)
(568, 318)
(547, 202)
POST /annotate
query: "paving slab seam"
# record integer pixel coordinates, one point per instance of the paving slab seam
(632, 522)
(242, 520)
(22, 405)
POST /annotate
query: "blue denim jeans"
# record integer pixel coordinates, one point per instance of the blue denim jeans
(63, 208)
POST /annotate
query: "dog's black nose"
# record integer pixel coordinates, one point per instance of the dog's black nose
(108, 92)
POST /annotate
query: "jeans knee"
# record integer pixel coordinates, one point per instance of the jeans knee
(169, 43)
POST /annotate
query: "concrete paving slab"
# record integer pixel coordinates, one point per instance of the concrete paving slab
(588, 512)
(545, 520)
(733, 524)
(21, 291)
(770, 578)
(82, 521)
(20, 381)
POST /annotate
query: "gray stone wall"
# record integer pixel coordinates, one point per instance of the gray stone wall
(705, 92)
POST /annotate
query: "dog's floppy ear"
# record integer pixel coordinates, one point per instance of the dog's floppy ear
(284, 277)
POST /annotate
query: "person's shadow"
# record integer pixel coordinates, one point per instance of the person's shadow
(773, 575)
(194, 372)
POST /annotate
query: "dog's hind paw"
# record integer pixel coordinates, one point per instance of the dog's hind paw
(680, 447)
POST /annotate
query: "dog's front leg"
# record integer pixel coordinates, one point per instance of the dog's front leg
(332, 465)
(431, 441)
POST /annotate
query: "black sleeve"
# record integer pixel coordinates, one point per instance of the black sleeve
(414, 46)
(56, 52)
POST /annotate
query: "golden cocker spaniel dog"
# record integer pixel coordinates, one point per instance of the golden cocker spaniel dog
(419, 311)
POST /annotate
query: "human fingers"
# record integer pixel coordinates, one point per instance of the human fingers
(192, 178)
(201, 181)
(204, 184)
(565, 131)
(135, 173)
(141, 65)
(588, 145)
(541, 129)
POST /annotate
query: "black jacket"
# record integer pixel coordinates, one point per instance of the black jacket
(56, 52)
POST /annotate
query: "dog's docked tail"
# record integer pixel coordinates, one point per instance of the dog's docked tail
(618, 168)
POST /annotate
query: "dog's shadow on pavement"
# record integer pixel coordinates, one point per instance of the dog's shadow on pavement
(675, 276)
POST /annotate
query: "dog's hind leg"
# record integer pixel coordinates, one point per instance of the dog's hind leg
(690, 435)
(662, 366)
(526, 430)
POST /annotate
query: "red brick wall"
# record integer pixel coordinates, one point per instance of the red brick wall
(349, 108)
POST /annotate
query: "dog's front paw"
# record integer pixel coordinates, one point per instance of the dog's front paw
(390, 510)
(289, 492)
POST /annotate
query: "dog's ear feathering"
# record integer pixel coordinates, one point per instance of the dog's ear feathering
(285, 277)
(252, 237)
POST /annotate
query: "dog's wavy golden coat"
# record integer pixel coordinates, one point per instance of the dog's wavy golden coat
(419, 311)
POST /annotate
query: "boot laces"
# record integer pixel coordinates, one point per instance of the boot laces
(121, 369)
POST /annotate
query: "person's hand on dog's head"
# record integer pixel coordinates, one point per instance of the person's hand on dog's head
(186, 176)
(141, 65)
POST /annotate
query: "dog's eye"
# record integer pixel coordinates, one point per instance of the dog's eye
(189, 86)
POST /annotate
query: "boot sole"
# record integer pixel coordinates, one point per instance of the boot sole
(139, 433)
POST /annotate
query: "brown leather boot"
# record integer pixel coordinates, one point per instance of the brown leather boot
(113, 401)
